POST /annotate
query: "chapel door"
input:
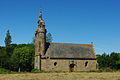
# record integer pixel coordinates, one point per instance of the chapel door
(71, 66)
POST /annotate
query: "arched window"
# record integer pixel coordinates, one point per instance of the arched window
(86, 63)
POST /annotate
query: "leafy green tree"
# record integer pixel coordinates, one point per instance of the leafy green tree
(103, 61)
(114, 62)
(4, 59)
(22, 58)
(10, 48)
(33, 41)
(8, 38)
(49, 38)
(118, 61)
(111, 61)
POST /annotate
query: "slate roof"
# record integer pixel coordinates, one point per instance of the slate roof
(68, 50)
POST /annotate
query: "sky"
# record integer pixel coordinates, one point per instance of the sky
(69, 21)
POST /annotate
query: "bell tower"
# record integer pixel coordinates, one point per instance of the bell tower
(40, 41)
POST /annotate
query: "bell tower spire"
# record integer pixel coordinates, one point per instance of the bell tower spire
(40, 41)
(40, 14)
(40, 20)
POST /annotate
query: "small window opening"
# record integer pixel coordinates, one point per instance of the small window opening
(86, 64)
(55, 63)
(47, 57)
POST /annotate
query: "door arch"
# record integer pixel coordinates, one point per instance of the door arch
(71, 67)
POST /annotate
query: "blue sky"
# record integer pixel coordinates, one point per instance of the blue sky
(69, 21)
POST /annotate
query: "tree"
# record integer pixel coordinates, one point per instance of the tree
(109, 61)
(8, 38)
(103, 61)
(10, 48)
(115, 60)
(3, 58)
(33, 41)
(49, 38)
(22, 58)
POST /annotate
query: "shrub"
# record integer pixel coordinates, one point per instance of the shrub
(4, 71)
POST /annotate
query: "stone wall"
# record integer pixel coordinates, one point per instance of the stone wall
(64, 65)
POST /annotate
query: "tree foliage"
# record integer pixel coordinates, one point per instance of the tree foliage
(111, 61)
(8, 38)
(23, 58)
(49, 38)
(10, 48)
(3, 58)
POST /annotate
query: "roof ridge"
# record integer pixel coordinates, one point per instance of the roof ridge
(89, 45)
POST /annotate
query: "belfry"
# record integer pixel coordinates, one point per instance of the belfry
(40, 41)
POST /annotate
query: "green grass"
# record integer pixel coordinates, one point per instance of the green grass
(5, 71)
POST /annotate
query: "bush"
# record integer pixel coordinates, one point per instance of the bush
(4, 71)
(35, 70)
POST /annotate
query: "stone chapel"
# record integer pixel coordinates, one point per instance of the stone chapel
(61, 56)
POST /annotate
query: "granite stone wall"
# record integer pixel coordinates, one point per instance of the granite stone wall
(67, 65)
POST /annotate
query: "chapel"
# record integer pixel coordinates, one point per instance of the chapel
(61, 56)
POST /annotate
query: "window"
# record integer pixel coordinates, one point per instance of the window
(47, 57)
(55, 63)
(86, 63)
